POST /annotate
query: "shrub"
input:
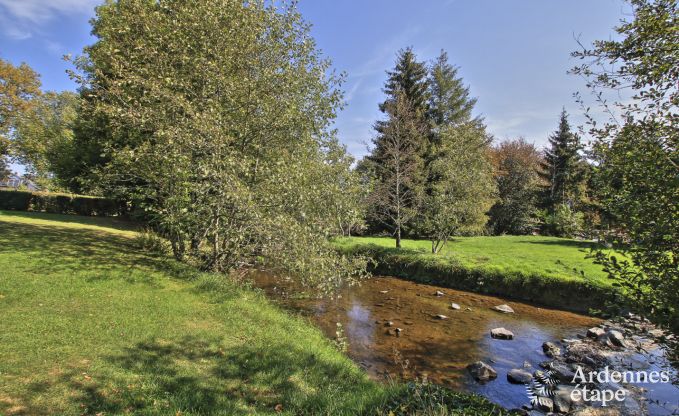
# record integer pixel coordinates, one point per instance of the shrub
(151, 242)
(565, 222)
(16, 200)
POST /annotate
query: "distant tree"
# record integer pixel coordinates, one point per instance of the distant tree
(459, 198)
(43, 139)
(637, 153)
(18, 86)
(563, 166)
(517, 166)
(397, 164)
(215, 117)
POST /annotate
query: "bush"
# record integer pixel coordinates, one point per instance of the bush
(565, 222)
(60, 203)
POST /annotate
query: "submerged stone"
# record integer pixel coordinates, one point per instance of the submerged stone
(501, 333)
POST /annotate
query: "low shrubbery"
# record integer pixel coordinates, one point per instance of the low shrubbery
(60, 203)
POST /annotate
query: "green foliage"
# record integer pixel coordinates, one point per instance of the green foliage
(563, 168)
(215, 116)
(18, 86)
(517, 166)
(637, 152)
(564, 222)
(398, 167)
(148, 241)
(449, 102)
(43, 138)
(60, 203)
(461, 188)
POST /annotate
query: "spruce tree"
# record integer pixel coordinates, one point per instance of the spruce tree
(449, 101)
(563, 166)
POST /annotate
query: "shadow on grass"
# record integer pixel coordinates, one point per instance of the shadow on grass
(69, 250)
(585, 245)
(117, 223)
(197, 376)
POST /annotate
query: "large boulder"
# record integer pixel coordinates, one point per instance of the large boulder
(482, 371)
(501, 333)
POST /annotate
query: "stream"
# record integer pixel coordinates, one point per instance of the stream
(393, 330)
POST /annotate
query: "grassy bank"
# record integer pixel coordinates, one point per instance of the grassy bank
(545, 270)
(91, 325)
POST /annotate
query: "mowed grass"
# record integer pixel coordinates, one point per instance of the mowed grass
(550, 257)
(91, 325)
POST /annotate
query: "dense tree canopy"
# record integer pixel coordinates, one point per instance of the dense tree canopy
(517, 166)
(637, 151)
(18, 86)
(216, 117)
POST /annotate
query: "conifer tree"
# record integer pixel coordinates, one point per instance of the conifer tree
(449, 101)
(563, 166)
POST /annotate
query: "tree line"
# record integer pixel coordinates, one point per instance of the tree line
(230, 154)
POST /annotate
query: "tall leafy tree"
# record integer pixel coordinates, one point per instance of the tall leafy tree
(464, 190)
(217, 118)
(563, 165)
(517, 166)
(637, 152)
(18, 86)
(43, 140)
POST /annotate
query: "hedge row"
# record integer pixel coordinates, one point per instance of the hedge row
(60, 203)
(572, 295)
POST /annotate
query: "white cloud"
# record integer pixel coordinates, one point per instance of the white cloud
(21, 18)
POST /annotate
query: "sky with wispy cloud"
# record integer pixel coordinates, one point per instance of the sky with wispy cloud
(514, 54)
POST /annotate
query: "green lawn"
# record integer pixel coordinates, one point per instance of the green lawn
(560, 258)
(91, 325)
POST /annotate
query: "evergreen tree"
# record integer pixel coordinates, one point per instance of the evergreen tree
(400, 146)
(449, 101)
(563, 166)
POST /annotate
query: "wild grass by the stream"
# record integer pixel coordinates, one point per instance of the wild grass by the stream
(92, 325)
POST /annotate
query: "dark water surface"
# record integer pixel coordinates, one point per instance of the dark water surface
(438, 349)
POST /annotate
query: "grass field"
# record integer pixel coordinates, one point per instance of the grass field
(552, 257)
(547, 270)
(91, 325)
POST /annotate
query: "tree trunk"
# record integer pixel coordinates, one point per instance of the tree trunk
(398, 237)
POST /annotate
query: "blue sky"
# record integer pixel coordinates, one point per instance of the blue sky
(514, 54)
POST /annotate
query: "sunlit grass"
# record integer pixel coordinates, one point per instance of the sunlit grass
(90, 325)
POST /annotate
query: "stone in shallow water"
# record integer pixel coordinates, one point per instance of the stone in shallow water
(482, 371)
(504, 308)
(595, 332)
(545, 404)
(501, 333)
(518, 376)
(454, 306)
(439, 293)
(551, 350)
(441, 317)
(617, 338)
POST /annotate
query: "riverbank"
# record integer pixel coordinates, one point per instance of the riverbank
(93, 325)
(548, 271)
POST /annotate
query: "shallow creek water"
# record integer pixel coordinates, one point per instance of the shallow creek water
(438, 349)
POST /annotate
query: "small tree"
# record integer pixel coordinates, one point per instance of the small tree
(463, 191)
(398, 166)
